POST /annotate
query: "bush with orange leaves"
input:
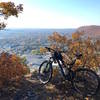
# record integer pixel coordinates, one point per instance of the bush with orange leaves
(58, 41)
(11, 69)
(89, 48)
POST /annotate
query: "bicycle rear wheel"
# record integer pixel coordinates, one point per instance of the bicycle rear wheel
(45, 72)
(86, 82)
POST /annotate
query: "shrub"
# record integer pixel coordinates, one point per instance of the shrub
(11, 69)
(89, 48)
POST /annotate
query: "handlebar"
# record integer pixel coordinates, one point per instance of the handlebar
(49, 49)
(78, 54)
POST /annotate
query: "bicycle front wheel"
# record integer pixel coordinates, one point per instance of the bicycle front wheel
(86, 82)
(45, 72)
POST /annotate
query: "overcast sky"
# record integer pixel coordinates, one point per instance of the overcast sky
(56, 14)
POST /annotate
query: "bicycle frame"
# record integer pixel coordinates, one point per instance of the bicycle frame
(73, 76)
(61, 69)
(57, 56)
(60, 64)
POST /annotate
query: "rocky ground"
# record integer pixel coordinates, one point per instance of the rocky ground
(31, 89)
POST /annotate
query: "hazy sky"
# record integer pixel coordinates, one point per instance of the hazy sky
(56, 14)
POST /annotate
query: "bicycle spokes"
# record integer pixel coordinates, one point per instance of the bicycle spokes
(45, 72)
(86, 82)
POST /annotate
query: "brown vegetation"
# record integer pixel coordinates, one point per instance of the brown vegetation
(89, 48)
(8, 9)
(11, 69)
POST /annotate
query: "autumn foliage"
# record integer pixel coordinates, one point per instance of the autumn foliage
(8, 9)
(11, 69)
(57, 40)
(42, 50)
(89, 48)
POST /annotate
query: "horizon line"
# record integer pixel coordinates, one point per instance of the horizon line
(40, 28)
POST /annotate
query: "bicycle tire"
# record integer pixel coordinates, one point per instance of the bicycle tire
(89, 79)
(50, 74)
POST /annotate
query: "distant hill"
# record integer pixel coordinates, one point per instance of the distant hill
(92, 31)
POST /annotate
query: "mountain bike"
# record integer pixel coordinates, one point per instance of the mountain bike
(83, 80)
